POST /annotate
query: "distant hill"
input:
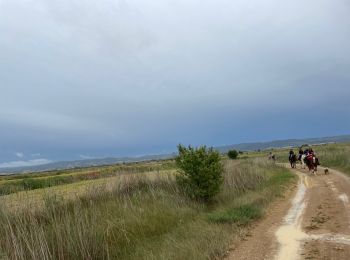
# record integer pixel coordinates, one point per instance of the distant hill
(83, 163)
(284, 143)
(222, 149)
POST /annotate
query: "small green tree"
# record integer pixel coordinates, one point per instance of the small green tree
(232, 154)
(200, 172)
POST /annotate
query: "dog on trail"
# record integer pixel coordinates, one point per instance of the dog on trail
(326, 171)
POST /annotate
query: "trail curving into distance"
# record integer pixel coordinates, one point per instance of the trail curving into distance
(312, 222)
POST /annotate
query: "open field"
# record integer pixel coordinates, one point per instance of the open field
(136, 211)
(331, 155)
(31, 181)
(136, 216)
(34, 199)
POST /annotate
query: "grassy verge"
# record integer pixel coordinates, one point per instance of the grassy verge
(251, 201)
(143, 218)
(336, 156)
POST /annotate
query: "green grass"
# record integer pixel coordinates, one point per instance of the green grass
(17, 183)
(251, 203)
(336, 156)
(144, 218)
(240, 215)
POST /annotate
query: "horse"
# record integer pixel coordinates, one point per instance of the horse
(312, 162)
(302, 160)
(293, 160)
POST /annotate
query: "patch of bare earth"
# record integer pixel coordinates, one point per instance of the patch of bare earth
(326, 218)
(259, 241)
(314, 224)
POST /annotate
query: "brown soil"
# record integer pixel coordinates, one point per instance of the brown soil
(323, 227)
(258, 244)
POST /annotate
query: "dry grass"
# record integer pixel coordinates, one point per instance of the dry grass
(140, 217)
(35, 198)
(25, 182)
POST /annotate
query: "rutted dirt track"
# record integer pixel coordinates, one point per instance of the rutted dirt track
(311, 222)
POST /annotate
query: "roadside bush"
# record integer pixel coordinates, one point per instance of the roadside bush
(200, 175)
(232, 154)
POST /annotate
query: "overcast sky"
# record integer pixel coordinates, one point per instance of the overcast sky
(87, 78)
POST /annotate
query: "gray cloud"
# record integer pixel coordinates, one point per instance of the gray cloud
(134, 76)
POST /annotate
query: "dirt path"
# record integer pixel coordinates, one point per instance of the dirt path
(311, 222)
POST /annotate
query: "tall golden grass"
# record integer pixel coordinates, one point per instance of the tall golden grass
(142, 217)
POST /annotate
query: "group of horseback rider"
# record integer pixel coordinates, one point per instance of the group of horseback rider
(306, 157)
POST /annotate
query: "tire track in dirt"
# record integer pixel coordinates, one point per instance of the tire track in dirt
(326, 218)
(315, 224)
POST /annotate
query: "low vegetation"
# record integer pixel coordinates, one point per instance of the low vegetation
(25, 182)
(239, 215)
(232, 154)
(143, 218)
(336, 156)
(200, 172)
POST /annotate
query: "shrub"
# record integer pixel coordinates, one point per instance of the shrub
(200, 174)
(232, 154)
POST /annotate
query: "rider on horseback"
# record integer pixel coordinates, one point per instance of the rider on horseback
(310, 156)
(312, 161)
(292, 158)
(301, 152)
(291, 153)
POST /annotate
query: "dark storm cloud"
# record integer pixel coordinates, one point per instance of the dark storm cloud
(97, 78)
